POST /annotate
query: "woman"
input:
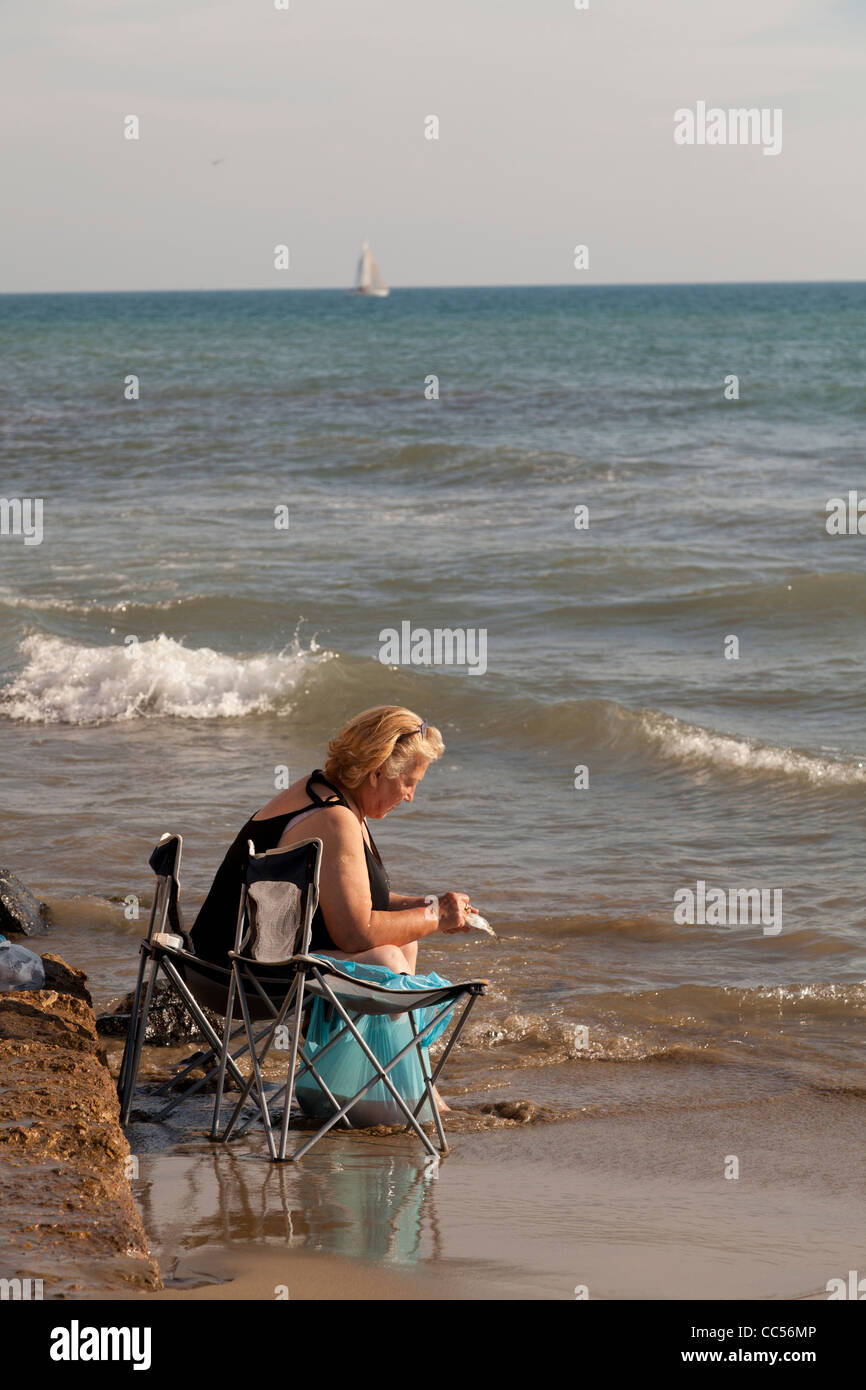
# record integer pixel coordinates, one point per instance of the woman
(374, 763)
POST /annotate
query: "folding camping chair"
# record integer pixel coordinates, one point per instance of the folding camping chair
(351, 999)
(199, 984)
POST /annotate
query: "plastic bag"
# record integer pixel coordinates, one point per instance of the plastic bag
(19, 968)
(345, 1068)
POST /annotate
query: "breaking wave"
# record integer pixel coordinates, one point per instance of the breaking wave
(690, 744)
(66, 683)
(665, 740)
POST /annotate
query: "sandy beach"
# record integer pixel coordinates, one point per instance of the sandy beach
(627, 1206)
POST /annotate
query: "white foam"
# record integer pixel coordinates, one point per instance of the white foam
(64, 683)
(690, 743)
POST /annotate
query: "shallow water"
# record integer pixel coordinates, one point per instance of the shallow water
(630, 1209)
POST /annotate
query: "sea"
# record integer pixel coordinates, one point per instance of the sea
(624, 489)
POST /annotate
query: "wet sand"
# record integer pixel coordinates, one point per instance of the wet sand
(632, 1206)
(562, 1173)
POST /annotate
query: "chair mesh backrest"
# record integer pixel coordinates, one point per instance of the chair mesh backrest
(282, 895)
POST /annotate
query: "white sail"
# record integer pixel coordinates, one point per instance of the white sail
(370, 280)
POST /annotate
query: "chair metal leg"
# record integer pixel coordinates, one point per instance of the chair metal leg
(202, 1058)
(202, 1081)
(229, 1020)
(138, 1026)
(213, 1039)
(381, 1075)
(259, 1080)
(131, 1032)
(269, 1033)
(139, 1022)
(290, 1083)
(159, 908)
(428, 1086)
(451, 1041)
(307, 1067)
(334, 1119)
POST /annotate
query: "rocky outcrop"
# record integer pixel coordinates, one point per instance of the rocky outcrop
(67, 1214)
(168, 1023)
(19, 910)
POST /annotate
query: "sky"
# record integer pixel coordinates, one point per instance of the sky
(306, 127)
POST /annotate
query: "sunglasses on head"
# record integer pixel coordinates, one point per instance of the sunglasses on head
(422, 730)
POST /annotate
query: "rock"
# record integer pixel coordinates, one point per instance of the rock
(68, 1216)
(519, 1112)
(65, 979)
(168, 1022)
(19, 910)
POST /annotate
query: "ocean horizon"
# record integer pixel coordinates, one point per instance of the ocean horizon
(475, 285)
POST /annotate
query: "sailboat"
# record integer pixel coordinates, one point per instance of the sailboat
(369, 278)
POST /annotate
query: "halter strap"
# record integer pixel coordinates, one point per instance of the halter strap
(336, 800)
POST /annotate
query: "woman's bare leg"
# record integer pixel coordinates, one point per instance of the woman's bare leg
(410, 951)
(392, 957)
(401, 959)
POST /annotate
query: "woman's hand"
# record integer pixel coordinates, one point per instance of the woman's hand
(452, 907)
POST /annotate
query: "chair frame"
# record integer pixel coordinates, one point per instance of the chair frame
(214, 1058)
(311, 974)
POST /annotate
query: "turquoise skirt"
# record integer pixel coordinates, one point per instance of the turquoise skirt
(345, 1069)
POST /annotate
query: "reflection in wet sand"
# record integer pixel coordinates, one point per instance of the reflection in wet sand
(369, 1202)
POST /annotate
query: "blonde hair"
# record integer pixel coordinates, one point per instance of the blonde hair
(385, 737)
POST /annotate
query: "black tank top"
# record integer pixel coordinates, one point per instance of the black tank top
(213, 933)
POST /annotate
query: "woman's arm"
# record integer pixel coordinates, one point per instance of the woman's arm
(400, 900)
(444, 911)
(344, 894)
